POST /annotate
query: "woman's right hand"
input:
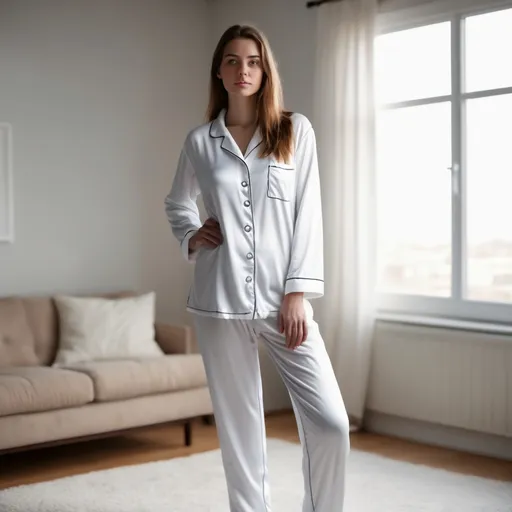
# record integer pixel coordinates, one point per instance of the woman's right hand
(208, 235)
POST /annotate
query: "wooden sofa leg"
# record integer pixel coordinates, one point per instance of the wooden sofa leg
(208, 419)
(188, 433)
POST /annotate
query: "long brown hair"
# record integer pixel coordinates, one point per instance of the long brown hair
(273, 121)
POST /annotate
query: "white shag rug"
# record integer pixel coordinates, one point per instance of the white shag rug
(196, 484)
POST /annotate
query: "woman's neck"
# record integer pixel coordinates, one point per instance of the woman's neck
(241, 111)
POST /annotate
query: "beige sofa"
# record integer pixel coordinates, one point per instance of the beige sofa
(42, 405)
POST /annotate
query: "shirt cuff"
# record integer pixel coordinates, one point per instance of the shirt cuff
(191, 258)
(312, 288)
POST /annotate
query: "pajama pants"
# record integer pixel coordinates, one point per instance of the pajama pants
(229, 348)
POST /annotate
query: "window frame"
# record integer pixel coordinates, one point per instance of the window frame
(454, 307)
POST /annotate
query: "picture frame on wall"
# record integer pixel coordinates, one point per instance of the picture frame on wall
(6, 185)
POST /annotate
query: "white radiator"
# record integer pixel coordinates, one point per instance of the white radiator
(448, 377)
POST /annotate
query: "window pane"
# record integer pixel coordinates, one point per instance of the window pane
(488, 44)
(489, 198)
(413, 64)
(414, 200)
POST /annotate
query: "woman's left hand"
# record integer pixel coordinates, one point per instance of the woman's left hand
(292, 320)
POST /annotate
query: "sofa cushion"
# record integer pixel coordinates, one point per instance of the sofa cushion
(97, 329)
(44, 323)
(129, 378)
(17, 343)
(33, 389)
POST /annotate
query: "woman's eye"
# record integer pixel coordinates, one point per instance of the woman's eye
(232, 61)
(254, 62)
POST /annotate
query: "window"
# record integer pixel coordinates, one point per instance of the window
(444, 168)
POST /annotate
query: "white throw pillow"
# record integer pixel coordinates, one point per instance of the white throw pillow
(93, 329)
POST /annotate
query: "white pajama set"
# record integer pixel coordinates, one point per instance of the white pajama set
(270, 216)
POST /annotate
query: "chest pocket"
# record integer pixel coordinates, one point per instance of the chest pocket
(281, 182)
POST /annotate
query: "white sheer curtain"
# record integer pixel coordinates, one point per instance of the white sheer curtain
(344, 120)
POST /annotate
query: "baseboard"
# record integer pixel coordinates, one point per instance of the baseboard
(439, 435)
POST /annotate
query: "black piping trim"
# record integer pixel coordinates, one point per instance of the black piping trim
(309, 458)
(189, 231)
(252, 211)
(221, 144)
(283, 168)
(257, 146)
(224, 312)
(268, 181)
(264, 455)
(254, 243)
(305, 279)
(215, 311)
(225, 149)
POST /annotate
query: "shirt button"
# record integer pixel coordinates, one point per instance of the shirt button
(247, 203)
(250, 256)
(247, 228)
(248, 279)
(244, 184)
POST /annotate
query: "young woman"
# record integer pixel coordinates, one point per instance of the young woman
(258, 259)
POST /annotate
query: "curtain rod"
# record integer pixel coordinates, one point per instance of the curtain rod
(317, 3)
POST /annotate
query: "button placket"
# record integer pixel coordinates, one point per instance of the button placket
(248, 229)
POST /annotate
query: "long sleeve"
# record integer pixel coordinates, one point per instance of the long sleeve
(181, 205)
(306, 267)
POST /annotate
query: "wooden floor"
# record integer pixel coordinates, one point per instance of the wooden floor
(164, 442)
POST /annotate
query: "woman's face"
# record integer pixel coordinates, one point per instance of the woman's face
(241, 68)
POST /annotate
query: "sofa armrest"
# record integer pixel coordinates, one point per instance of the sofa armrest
(174, 339)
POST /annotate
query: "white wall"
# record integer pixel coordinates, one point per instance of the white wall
(100, 94)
